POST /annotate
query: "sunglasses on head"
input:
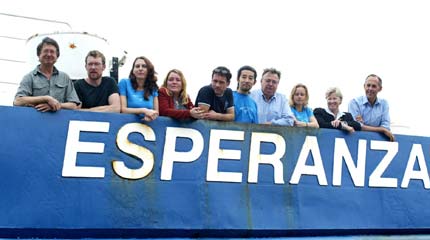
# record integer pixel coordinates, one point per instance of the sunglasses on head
(222, 71)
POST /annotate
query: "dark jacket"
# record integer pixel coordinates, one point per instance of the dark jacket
(324, 119)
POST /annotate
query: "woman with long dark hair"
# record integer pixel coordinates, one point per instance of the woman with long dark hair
(139, 92)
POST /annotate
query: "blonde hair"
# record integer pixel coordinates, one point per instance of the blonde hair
(293, 91)
(183, 96)
(334, 90)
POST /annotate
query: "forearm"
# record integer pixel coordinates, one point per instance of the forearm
(132, 110)
(285, 121)
(144, 111)
(382, 130)
(105, 108)
(69, 105)
(225, 116)
(372, 129)
(313, 123)
(28, 100)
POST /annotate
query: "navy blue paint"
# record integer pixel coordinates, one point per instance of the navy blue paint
(36, 201)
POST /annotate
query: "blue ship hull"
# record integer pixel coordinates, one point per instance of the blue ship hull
(75, 174)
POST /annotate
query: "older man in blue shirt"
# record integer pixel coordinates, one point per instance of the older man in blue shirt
(371, 111)
(273, 107)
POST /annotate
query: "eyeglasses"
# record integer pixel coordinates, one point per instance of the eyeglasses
(94, 64)
(272, 81)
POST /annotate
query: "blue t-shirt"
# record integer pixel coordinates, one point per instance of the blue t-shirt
(303, 116)
(245, 108)
(135, 98)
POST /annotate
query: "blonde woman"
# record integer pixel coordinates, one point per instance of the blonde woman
(173, 98)
(304, 116)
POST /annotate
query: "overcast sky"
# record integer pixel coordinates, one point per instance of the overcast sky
(318, 43)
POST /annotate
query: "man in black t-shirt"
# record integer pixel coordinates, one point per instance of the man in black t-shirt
(97, 93)
(216, 100)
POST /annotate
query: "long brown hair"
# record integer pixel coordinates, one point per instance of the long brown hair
(150, 84)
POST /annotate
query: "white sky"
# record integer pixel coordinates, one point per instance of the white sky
(318, 43)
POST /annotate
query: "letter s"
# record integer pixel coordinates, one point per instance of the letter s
(135, 150)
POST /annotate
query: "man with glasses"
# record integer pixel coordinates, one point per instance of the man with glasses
(245, 108)
(97, 93)
(45, 88)
(273, 107)
(216, 99)
(372, 112)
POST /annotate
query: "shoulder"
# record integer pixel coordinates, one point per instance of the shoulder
(29, 76)
(206, 89)
(383, 101)
(162, 91)
(62, 80)
(229, 92)
(237, 95)
(359, 100)
(281, 97)
(108, 80)
(62, 74)
(78, 83)
(319, 111)
(255, 93)
(124, 81)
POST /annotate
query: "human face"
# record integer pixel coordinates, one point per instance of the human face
(246, 81)
(269, 84)
(174, 83)
(140, 69)
(333, 102)
(299, 97)
(219, 84)
(95, 68)
(48, 55)
(372, 87)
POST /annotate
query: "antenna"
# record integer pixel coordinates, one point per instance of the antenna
(37, 19)
(13, 38)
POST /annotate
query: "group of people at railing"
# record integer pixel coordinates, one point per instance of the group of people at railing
(47, 89)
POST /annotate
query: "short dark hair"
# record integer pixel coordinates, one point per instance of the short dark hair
(48, 41)
(96, 54)
(223, 71)
(244, 68)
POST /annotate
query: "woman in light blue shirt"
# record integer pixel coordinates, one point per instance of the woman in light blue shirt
(304, 116)
(139, 92)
